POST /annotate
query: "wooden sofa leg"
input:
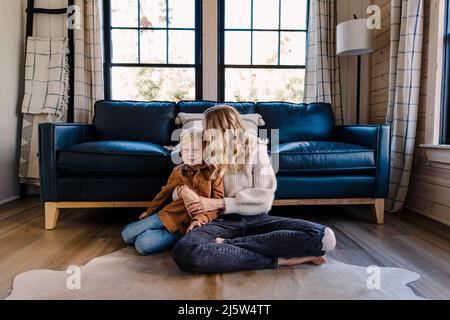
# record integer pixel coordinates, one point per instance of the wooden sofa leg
(51, 215)
(378, 210)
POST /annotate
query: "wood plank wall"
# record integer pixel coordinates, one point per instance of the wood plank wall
(429, 192)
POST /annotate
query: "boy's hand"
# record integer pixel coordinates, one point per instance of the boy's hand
(194, 224)
(144, 215)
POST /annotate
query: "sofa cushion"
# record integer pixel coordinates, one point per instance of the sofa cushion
(298, 122)
(114, 158)
(324, 157)
(202, 106)
(134, 121)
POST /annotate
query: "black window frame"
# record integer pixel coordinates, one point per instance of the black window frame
(444, 137)
(108, 64)
(222, 66)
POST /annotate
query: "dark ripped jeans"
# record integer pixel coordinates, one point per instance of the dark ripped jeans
(252, 243)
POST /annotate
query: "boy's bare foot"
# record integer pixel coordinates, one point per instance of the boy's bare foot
(296, 261)
(220, 240)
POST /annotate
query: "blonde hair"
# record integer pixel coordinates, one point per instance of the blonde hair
(191, 138)
(227, 142)
(191, 134)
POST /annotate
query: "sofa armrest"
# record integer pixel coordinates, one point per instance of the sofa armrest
(383, 162)
(54, 137)
(363, 135)
(376, 137)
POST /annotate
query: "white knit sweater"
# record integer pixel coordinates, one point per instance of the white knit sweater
(252, 193)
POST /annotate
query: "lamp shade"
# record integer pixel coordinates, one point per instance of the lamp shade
(353, 38)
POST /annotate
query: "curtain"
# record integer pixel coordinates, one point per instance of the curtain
(407, 19)
(88, 60)
(88, 78)
(322, 75)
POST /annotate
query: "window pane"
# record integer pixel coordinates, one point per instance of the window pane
(182, 13)
(147, 84)
(237, 14)
(153, 46)
(124, 46)
(293, 46)
(293, 14)
(265, 14)
(153, 13)
(264, 85)
(124, 13)
(182, 47)
(265, 48)
(237, 47)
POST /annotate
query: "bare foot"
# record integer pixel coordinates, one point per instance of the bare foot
(296, 261)
(319, 260)
(220, 240)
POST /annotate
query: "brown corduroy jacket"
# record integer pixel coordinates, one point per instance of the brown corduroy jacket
(174, 215)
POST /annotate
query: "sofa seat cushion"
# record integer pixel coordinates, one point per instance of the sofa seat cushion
(324, 157)
(114, 158)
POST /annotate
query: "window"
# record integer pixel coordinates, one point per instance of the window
(262, 49)
(153, 49)
(445, 112)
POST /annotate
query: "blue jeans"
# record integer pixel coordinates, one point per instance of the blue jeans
(252, 243)
(149, 235)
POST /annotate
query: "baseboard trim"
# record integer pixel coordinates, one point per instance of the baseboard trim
(444, 220)
(9, 199)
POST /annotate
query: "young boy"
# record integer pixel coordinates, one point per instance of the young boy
(159, 231)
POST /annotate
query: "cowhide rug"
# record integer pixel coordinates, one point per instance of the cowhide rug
(126, 275)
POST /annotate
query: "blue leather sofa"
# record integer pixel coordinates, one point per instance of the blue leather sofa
(121, 160)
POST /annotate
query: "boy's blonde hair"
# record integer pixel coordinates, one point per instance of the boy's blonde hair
(191, 135)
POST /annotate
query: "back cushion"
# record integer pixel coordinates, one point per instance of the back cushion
(134, 121)
(202, 106)
(298, 122)
(250, 121)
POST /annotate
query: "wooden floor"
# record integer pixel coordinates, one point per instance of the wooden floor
(406, 240)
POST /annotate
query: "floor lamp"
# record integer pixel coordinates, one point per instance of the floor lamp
(354, 38)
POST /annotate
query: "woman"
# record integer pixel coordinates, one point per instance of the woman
(244, 237)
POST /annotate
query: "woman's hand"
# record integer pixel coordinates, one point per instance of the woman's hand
(195, 224)
(203, 205)
(187, 195)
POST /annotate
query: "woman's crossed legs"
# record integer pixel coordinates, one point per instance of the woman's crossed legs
(250, 243)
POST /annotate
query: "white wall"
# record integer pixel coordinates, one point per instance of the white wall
(12, 36)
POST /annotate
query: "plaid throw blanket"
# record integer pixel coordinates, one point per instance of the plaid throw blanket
(46, 77)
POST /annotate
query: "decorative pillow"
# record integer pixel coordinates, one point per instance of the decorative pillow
(251, 121)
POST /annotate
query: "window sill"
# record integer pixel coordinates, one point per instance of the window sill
(439, 153)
